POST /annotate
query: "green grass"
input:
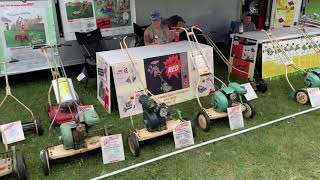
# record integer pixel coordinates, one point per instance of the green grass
(287, 150)
(33, 36)
(86, 14)
(313, 6)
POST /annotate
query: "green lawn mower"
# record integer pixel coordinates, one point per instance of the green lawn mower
(225, 97)
(75, 139)
(311, 77)
(158, 119)
(13, 162)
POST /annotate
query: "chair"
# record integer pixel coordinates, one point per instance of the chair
(90, 42)
(139, 34)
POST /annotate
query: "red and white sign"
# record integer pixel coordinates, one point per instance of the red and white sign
(112, 148)
(183, 136)
(12, 132)
(235, 118)
(314, 96)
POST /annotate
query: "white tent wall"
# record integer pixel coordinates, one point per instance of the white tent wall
(213, 15)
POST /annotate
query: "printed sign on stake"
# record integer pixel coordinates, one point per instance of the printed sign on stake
(183, 135)
(235, 118)
(314, 96)
(112, 148)
(251, 94)
(12, 132)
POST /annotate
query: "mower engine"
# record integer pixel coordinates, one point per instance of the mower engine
(154, 115)
(312, 78)
(226, 96)
(73, 134)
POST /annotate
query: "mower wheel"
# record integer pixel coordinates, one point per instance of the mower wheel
(261, 85)
(133, 143)
(38, 126)
(203, 121)
(250, 111)
(45, 162)
(21, 167)
(307, 83)
(302, 97)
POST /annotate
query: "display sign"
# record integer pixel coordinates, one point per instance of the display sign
(12, 132)
(299, 50)
(235, 117)
(314, 96)
(63, 90)
(285, 12)
(251, 94)
(112, 148)
(243, 55)
(103, 84)
(183, 135)
(21, 26)
(112, 17)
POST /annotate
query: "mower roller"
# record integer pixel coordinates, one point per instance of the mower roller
(13, 162)
(222, 99)
(311, 77)
(258, 84)
(65, 110)
(157, 117)
(35, 124)
(75, 139)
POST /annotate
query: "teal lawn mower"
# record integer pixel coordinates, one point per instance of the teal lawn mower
(227, 96)
(13, 162)
(75, 139)
(158, 118)
(311, 77)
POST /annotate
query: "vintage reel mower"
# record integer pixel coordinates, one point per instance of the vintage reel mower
(257, 84)
(311, 78)
(157, 117)
(66, 109)
(35, 124)
(75, 139)
(226, 96)
(13, 162)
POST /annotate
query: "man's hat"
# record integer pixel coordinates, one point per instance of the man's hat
(155, 16)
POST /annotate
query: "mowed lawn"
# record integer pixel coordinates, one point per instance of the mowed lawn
(313, 6)
(287, 150)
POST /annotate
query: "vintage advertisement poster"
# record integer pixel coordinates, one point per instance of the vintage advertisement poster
(243, 55)
(103, 85)
(21, 26)
(299, 50)
(285, 13)
(113, 17)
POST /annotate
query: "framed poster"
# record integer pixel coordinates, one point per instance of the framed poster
(113, 17)
(21, 26)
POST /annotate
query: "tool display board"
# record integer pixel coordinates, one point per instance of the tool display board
(21, 26)
(293, 42)
(166, 70)
(113, 17)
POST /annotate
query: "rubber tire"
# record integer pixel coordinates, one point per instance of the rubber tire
(262, 85)
(45, 162)
(306, 93)
(38, 126)
(21, 167)
(252, 109)
(207, 120)
(133, 144)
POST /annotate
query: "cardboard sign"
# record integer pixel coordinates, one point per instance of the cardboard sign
(314, 96)
(112, 148)
(235, 118)
(63, 87)
(12, 132)
(183, 135)
(251, 94)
